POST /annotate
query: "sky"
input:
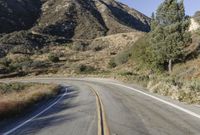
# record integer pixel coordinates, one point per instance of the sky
(147, 7)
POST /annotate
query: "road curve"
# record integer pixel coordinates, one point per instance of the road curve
(104, 107)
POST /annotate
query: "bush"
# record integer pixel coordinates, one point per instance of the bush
(112, 63)
(20, 63)
(53, 58)
(11, 87)
(127, 73)
(122, 58)
(21, 59)
(194, 85)
(5, 61)
(84, 69)
(21, 49)
(21, 96)
(79, 46)
(97, 47)
(39, 64)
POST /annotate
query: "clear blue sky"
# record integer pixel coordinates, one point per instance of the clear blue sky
(149, 6)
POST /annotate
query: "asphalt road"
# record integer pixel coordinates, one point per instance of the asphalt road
(121, 110)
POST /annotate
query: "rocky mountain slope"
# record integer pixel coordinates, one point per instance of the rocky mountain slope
(16, 15)
(31, 24)
(194, 25)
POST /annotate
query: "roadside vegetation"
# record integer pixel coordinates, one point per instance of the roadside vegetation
(16, 98)
(167, 59)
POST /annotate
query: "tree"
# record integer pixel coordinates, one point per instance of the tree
(169, 35)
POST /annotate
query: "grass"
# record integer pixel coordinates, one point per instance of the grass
(16, 98)
(166, 85)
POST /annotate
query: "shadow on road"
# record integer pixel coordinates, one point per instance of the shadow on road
(54, 116)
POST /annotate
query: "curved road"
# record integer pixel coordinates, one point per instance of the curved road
(104, 107)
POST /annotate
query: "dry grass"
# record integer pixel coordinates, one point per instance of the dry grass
(16, 102)
(90, 57)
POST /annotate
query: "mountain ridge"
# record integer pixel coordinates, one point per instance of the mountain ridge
(32, 24)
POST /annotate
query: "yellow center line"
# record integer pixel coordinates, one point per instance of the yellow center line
(102, 122)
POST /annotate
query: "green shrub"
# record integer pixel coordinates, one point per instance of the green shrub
(97, 47)
(10, 87)
(79, 46)
(122, 58)
(84, 68)
(21, 49)
(5, 61)
(194, 85)
(20, 63)
(53, 58)
(112, 63)
(21, 59)
(39, 64)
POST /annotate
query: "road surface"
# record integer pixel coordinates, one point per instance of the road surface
(104, 107)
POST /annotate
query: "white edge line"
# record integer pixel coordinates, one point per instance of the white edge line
(161, 100)
(37, 115)
(136, 90)
(151, 96)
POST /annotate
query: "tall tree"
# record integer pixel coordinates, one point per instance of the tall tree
(170, 37)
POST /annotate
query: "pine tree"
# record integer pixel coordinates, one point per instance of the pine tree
(170, 37)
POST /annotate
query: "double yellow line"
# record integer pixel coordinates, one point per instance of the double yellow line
(102, 123)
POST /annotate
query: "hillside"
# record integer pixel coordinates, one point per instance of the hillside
(32, 30)
(18, 15)
(36, 23)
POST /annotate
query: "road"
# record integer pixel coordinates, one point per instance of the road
(104, 107)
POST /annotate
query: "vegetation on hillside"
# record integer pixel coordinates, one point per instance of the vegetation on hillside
(169, 37)
(165, 60)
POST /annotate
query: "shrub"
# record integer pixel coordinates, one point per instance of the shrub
(194, 85)
(127, 73)
(11, 87)
(21, 49)
(112, 63)
(23, 58)
(20, 63)
(53, 58)
(122, 58)
(5, 61)
(21, 96)
(84, 68)
(97, 47)
(39, 64)
(79, 46)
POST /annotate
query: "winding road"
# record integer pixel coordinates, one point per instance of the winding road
(92, 106)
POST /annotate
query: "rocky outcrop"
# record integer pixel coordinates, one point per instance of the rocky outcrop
(194, 25)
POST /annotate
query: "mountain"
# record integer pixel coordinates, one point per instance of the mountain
(32, 24)
(88, 19)
(16, 15)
